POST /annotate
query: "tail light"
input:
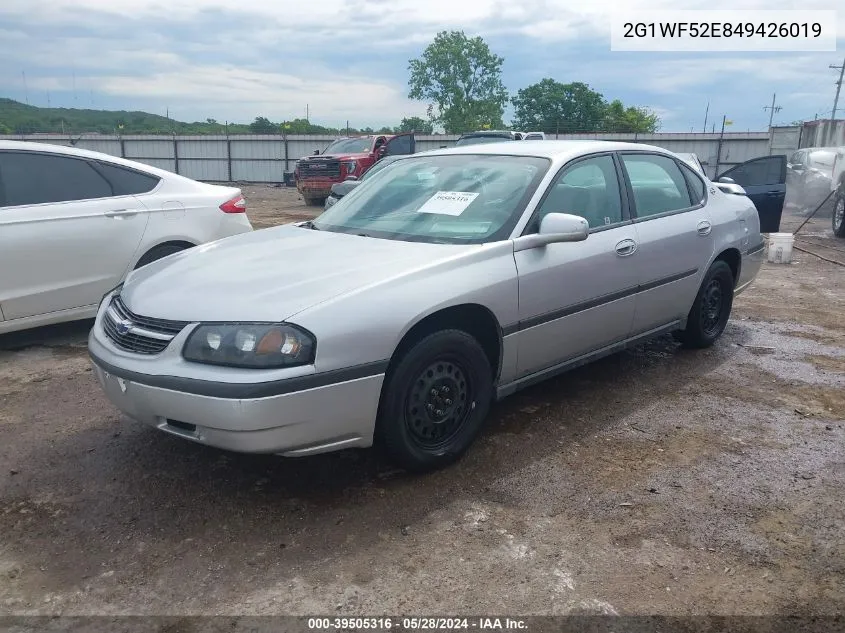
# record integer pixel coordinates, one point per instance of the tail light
(235, 205)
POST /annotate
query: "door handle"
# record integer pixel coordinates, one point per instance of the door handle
(774, 194)
(117, 213)
(626, 247)
(704, 227)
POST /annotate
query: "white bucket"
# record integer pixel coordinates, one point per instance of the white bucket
(780, 248)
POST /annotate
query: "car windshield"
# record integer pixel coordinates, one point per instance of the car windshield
(384, 162)
(349, 146)
(457, 199)
(475, 140)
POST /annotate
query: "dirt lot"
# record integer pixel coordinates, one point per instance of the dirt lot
(656, 481)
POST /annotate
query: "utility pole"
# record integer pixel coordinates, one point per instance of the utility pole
(706, 112)
(307, 120)
(26, 91)
(841, 70)
(719, 145)
(772, 109)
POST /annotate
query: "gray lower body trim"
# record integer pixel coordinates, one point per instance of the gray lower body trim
(512, 387)
(594, 303)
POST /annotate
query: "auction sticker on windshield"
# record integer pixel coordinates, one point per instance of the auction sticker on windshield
(448, 202)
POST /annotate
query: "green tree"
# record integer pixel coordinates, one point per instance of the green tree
(549, 106)
(385, 130)
(415, 124)
(618, 118)
(262, 125)
(462, 81)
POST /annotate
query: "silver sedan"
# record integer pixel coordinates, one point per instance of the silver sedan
(450, 280)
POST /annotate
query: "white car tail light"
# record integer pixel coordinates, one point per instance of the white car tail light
(235, 205)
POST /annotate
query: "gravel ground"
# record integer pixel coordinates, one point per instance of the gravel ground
(655, 481)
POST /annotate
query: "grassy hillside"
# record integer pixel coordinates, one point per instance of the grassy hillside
(19, 118)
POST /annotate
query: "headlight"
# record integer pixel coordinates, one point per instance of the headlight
(258, 345)
(351, 166)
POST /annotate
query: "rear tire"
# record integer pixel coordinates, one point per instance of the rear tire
(158, 252)
(435, 401)
(314, 202)
(711, 309)
(838, 221)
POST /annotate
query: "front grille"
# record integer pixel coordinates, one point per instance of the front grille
(319, 169)
(135, 333)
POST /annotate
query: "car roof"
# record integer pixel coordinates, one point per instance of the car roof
(30, 146)
(549, 149)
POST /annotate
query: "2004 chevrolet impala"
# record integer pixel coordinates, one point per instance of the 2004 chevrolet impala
(450, 279)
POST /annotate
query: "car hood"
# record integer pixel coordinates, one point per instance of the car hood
(336, 156)
(272, 274)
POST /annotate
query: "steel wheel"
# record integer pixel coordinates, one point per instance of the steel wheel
(711, 307)
(438, 403)
(839, 216)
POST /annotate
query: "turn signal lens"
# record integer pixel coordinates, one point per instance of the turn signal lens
(270, 343)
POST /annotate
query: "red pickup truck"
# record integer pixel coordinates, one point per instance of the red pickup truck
(351, 156)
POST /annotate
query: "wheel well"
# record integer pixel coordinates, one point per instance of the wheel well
(474, 319)
(180, 243)
(733, 259)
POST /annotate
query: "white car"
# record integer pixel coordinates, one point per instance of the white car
(73, 223)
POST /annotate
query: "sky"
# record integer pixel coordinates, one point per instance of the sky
(348, 59)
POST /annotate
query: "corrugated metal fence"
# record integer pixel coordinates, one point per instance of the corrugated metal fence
(265, 158)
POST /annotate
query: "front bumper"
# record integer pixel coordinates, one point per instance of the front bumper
(315, 187)
(301, 415)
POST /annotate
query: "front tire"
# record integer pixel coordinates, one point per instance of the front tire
(435, 401)
(839, 215)
(711, 309)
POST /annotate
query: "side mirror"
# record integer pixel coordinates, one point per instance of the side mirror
(731, 188)
(727, 180)
(382, 151)
(316, 152)
(554, 228)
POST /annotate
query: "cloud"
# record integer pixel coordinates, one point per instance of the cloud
(347, 59)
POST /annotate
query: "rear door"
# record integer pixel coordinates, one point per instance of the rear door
(65, 237)
(764, 180)
(400, 145)
(674, 235)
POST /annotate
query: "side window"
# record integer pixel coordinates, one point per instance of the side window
(399, 145)
(758, 172)
(588, 188)
(31, 178)
(126, 182)
(657, 183)
(696, 184)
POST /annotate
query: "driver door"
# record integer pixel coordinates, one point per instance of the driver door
(764, 181)
(578, 297)
(399, 145)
